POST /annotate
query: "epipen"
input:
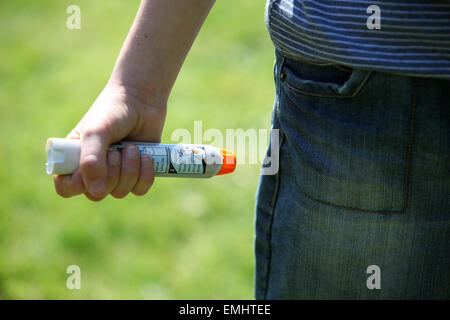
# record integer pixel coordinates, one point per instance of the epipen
(169, 160)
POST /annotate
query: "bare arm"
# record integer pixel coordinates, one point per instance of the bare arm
(158, 43)
(133, 103)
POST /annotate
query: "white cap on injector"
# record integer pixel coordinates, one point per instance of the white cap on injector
(63, 155)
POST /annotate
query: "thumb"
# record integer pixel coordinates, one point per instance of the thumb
(93, 168)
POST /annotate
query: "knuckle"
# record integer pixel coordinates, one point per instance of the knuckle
(89, 161)
(94, 131)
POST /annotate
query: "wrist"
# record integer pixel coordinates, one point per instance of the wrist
(145, 96)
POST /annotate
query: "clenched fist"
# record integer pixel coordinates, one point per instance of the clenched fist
(117, 114)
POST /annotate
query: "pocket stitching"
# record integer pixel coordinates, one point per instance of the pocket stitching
(325, 95)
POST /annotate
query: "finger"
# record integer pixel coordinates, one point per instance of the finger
(69, 185)
(94, 144)
(129, 171)
(146, 176)
(113, 162)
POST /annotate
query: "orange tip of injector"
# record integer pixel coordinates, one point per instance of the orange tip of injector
(228, 162)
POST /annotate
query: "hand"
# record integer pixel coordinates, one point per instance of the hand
(118, 114)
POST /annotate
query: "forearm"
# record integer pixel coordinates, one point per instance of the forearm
(156, 46)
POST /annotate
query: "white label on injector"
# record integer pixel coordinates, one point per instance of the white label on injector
(174, 159)
(187, 159)
(160, 157)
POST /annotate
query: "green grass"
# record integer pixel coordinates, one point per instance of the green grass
(187, 238)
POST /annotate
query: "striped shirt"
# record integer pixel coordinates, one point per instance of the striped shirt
(405, 37)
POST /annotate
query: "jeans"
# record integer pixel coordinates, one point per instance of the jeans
(360, 205)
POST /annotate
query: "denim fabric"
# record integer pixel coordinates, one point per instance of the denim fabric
(363, 179)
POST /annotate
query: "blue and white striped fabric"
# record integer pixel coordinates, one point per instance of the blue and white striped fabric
(413, 39)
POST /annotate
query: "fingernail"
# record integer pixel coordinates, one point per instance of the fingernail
(97, 188)
(114, 158)
(146, 161)
(132, 152)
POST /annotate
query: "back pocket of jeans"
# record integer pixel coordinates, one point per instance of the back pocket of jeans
(348, 136)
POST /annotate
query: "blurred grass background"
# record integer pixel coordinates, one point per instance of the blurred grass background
(186, 239)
